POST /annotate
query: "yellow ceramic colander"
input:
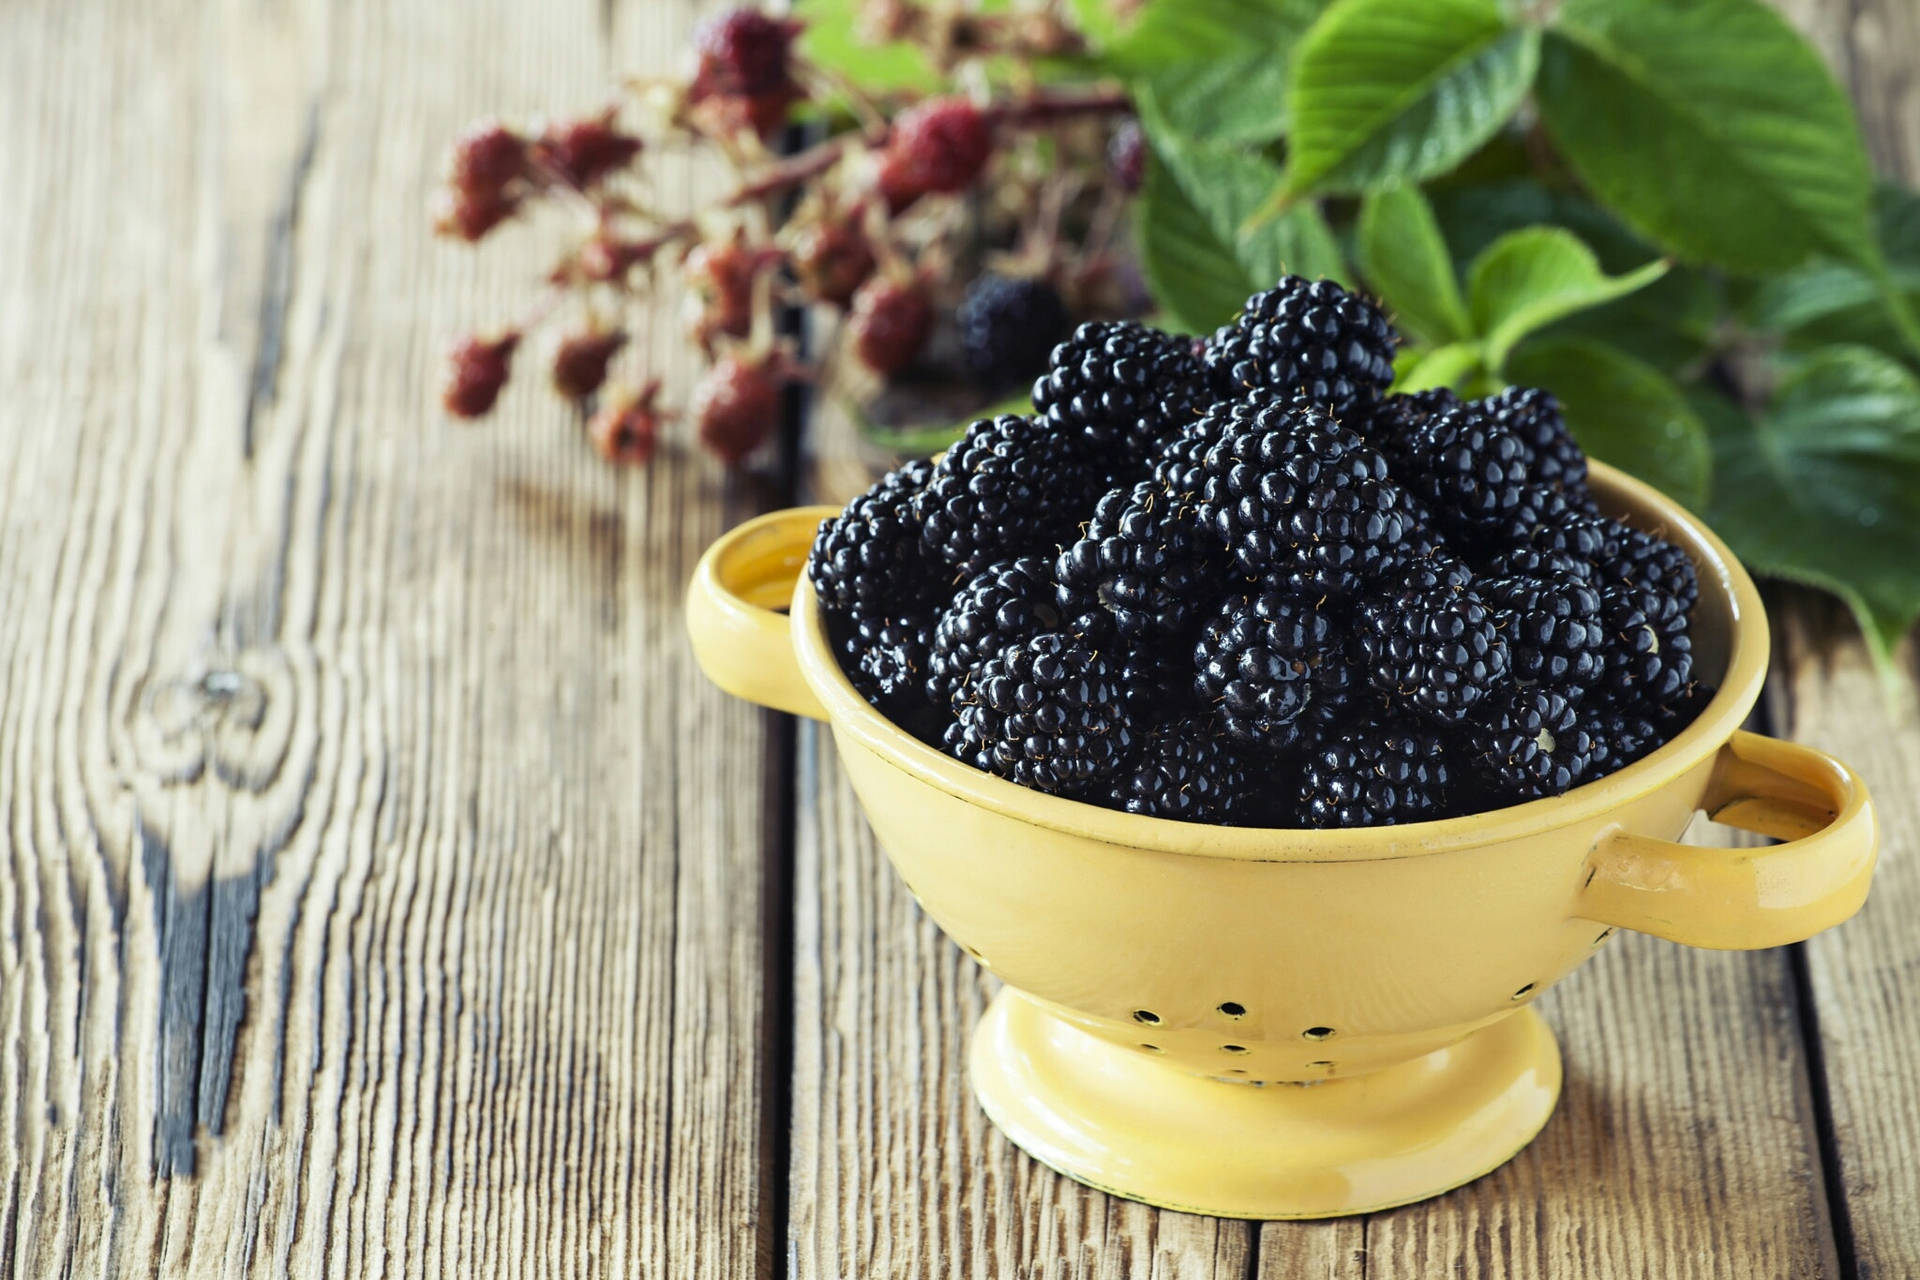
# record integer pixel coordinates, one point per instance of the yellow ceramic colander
(1294, 1024)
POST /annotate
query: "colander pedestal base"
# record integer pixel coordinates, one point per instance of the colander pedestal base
(1126, 1123)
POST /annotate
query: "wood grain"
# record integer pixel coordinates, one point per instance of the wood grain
(383, 890)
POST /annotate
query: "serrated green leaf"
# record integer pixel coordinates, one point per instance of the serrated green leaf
(1386, 91)
(1218, 69)
(1623, 412)
(1402, 255)
(1449, 366)
(1195, 242)
(1711, 127)
(1825, 488)
(1825, 303)
(1527, 279)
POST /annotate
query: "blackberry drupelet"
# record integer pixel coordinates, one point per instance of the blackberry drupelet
(1007, 327)
(1046, 713)
(1181, 771)
(1432, 643)
(1379, 773)
(1144, 560)
(1308, 336)
(1273, 668)
(1648, 652)
(1011, 486)
(1534, 417)
(1525, 743)
(869, 556)
(1471, 472)
(1005, 604)
(1297, 497)
(1123, 386)
(1552, 628)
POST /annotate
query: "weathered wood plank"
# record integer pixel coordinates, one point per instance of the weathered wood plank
(383, 890)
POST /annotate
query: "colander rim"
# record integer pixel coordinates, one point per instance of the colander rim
(1720, 572)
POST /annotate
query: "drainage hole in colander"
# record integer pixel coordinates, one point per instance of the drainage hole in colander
(1522, 993)
(1153, 1048)
(1236, 1071)
(1316, 1033)
(1233, 1008)
(1320, 1063)
(1233, 1048)
(1146, 1017)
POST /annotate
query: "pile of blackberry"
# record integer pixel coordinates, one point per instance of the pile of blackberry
(1237, 582)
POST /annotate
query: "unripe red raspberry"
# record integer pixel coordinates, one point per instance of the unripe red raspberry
(627, 431)
(476, 371)
(736, 405)
(580, 362)
(832, 257)
(890, 323)
(745, 52)
(467, 215)
(938, 146)
(1127, 156)
(581, 152)
(485, 158)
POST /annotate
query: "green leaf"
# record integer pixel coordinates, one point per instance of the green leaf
(1528, 279)
(1218, 69)
(1449, 366)
(1404, 258)
(1826, 302)
(1386, 90)
(1623, 412)
(832, 39)
(1825, 489)
(1198, 199)
(1711, 127)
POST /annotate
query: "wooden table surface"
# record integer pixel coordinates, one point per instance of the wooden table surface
(384, 891)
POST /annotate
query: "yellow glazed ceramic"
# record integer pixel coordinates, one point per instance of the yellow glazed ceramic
(1295, 1024)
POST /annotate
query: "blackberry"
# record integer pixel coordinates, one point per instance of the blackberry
(1648, 654)
(1394, 420)
(1641, 559)
(1534, 417)
(1379, 773)
(1308, 336)
(1297, 497)
(1559, 525)
(1525, 743)
(1470, 471)
(1552, 628)
(1432, 643)
(1142, 559)
(1011, 486)
(1046, 713)
(1179, 467)
(885, 656)
(869, 556)
(1006, 604)
(1182, 771)
(1527, 561)
(1621, 735)
(1007, 326)
(1272, 667)
(1156, 678)
(1125, 387)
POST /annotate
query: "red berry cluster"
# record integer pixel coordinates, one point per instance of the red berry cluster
(862, 221)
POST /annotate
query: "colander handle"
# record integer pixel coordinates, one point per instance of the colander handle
(1745, 899)
(741, 635)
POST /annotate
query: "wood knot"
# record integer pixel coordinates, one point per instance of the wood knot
(234, 713)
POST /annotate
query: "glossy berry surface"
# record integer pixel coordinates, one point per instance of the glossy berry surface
(1127, 388)
(1046, 713)
(1309, 336)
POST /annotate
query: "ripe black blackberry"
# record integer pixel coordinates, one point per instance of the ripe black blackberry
(1007, 327)
(1379, 773)
(1644, 560)
(1528, 561)
(885, 656)
(1552, 626)
(1181, 771)
(1310, 336)
(1005, 604)
(1045, 713)
(1144, 560)
(1471, 472)
(1123, 386)
(1273, 668)
(1393, 421)
(1533, 416)
(1622, 735)
(1525, 742)
(1648, 653)
(1299, 498)
(1011, 486)
(1432, 643)
(869, 556)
